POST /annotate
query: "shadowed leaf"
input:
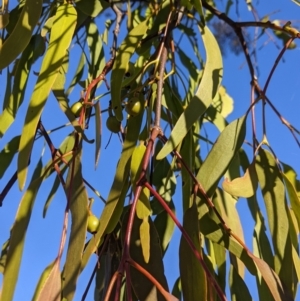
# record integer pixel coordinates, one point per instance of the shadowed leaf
(20, 36)
(60, 39)
(206, 92)
(193, 277)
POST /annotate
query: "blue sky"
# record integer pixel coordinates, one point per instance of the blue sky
(43, 235)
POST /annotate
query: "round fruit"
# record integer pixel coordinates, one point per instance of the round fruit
(113, 124)
(76, 108)
(129, 71)
(134, 106)
(93, 224)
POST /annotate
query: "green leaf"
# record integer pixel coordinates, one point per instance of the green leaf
(220, 156)
(211, 229)
(244, 186)
(21, 35)
(293, 188)
(145, 239)
(78, 74)
(92, 7)
(3, 256)
(114, 206)
(238, 288)
(124, 54)
(97, 58)
(142, 286)
(60, 39)
(8, 153)
(98, 132)
(49, 285)
(165, 227)
(21, 76)
(18, 234)
(78, 200)
(206, 92)
(273, 191)
(192, 275)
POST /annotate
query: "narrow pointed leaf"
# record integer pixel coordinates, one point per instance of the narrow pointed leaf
(49, 286)
(193, 277)
(98, 132)
(78, 200)
(244, 186)
(20, 36)
(220, 156)
(124, 54)
(18, 234)
(114, 205)
(60, 39)
(142, 286)
(8, 153)
(206, 92)
(145, 239)
(273, 191)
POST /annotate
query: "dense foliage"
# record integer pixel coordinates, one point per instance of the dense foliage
(150, 74)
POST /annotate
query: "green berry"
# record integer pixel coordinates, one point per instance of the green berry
(113, 124)
(93, 224)
(134, 106)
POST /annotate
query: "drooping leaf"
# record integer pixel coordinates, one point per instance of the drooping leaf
(3, 256)
(192, 275)
(21, 35)
(273, 191)
(218, 159)
(124, 53)
(20, 80)
(7, 154)
(98, 132)
(145, 239)
(78, 200)
(97, 58)
(293, 188)
(92, 7)
(211, 229)
(165, 227)
(244, 186)
(142, 286)
(206, 92)
(18, 234)
(60, 39)
(238, 288)
(114, 205)
(49, 285)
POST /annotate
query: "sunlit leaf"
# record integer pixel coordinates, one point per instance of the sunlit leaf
(244, 186)
(20, 36)
(49, 285)
(218, 159)
(145, 239)
(8, 153)
(206, 92)
(60, 39)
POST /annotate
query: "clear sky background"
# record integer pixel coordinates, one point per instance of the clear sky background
(43, 236)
